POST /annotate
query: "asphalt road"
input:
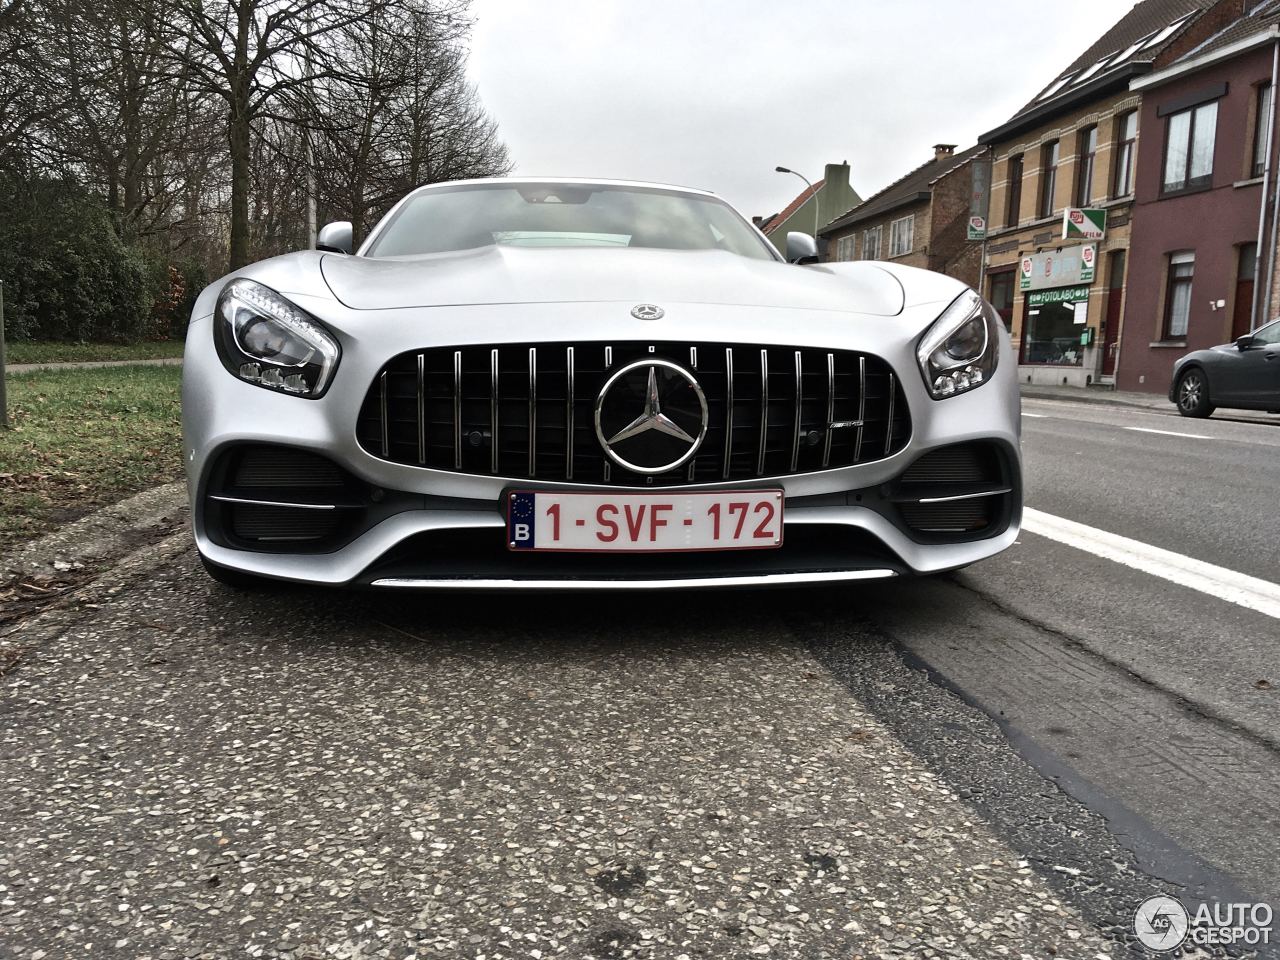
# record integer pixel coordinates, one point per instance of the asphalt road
(1002, 762)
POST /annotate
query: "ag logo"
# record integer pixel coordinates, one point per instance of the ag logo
(1161, 923)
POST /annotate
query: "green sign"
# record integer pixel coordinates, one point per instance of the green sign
(1062, 295)
(977, 228)
(1083, 223)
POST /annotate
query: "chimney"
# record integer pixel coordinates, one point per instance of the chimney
(943, 150)
(756, 221)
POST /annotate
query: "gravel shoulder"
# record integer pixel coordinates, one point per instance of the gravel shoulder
(186, 771)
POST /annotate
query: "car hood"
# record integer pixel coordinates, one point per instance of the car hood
(507, 274)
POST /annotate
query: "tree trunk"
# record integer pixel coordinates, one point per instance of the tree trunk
(239, 131)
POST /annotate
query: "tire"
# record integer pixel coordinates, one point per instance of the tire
(235, 579)
(1193, 394)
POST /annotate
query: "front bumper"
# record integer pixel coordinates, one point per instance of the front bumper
(439, 529)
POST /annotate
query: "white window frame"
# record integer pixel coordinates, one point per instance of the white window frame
(844, 247)
(902, 235)
(871, 243)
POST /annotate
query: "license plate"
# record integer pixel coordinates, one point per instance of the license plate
(644, 522)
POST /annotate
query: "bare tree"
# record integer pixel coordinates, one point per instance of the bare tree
(252, 54)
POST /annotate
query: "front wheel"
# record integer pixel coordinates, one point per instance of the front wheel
(1193, 394)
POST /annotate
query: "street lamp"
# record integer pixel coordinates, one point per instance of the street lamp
(812, 193)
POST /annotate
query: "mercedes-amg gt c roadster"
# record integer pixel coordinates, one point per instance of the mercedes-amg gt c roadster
(571, 384)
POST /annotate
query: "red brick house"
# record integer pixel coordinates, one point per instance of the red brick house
(1200, 218)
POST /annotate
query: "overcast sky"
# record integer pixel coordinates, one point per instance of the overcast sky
(716, 93)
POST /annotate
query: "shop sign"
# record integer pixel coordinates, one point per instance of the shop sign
(977, 228)
(1083, 223)
(1061, 295)
(1059, 268)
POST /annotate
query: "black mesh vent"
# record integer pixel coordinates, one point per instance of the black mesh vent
(283, 467)
(954, 492)
(282, 524)
(526, 410)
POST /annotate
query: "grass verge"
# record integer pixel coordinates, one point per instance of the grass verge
(40, 351)
(80, 439)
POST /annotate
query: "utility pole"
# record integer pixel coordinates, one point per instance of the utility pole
(4, 401)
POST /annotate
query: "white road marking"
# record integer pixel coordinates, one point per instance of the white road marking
(1246, 591)
(1173, 433)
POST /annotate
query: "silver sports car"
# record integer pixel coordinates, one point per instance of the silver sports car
(556, 384)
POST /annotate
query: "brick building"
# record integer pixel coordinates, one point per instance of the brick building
(918, 220)
(1076, 145)
(1200, 210)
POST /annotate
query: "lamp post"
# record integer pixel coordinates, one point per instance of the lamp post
(812, 193)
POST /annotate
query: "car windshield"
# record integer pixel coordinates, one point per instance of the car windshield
(564, 215)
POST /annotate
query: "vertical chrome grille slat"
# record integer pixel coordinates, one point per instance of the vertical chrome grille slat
(457, 409)
(888, 435)
(795, 436)
(568, 414)
(693, 357)
(764, 409)
(831, 408)
(862, 406)
(728, 410)
(493, 410)
(422, 409)
(533, 411)
(382, 406)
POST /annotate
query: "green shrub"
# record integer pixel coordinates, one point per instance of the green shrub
(67, 275)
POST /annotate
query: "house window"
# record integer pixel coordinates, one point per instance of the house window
(1012, 212)
(1188, 148)
(871, 244)
(901, 235)
(1261, 123)
(1177, 307)
(1048, 176)
(1126, 138)
(844, 248)
(1084, 166)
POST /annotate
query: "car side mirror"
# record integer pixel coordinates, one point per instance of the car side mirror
(1247, 342)
(335, 237)
(801, 248)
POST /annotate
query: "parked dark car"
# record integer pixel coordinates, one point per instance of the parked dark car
(1244, 375)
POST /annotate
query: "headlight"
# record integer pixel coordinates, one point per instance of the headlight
(960, 350)
(264, 339)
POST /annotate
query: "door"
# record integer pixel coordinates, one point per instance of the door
(1111, 317)
(1001, 296)
(1258, 369)
(1245, 272)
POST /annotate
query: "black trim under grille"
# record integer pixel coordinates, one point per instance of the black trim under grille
(527, 410)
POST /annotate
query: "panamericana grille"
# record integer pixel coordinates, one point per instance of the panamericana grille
(527, 410)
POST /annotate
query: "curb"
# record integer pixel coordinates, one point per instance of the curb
(1087, 396)
(91, 364)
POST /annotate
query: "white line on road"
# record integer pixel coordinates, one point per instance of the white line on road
(1260, 595)
(1172, 433)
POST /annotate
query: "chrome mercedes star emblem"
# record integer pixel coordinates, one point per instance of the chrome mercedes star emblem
(647, 311)
(672, 417)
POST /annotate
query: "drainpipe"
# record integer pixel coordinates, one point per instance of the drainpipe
(1263, 301)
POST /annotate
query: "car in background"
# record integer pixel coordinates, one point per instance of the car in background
(572, 384)
(1244, 375)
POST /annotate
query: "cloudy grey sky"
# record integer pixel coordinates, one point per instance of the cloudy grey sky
(716, 93)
